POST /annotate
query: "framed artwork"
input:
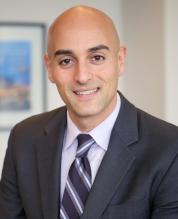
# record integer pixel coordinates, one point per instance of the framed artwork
(22, 77)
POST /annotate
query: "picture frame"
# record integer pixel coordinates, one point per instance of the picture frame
(22, 77)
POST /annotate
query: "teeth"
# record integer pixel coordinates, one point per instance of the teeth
(86, 92)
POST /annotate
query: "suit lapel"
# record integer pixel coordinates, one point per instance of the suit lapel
(116, 163)
(49, 150)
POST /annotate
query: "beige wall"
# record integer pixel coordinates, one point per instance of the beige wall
(151, 78)
(171, 61)
(143, 29)
(147, 28)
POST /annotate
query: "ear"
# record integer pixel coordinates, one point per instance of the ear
(48, 66)
(121, 59)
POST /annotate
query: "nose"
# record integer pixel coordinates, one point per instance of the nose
(82, 73)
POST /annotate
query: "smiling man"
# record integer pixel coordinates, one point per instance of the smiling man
(99, 156)
(84, 60)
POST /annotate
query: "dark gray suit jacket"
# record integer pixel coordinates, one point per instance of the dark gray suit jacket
(137, 179)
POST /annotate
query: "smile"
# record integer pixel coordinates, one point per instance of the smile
(86, 92)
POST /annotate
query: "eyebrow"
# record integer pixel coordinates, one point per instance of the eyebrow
(99, 47)
(70, 52)
(63, 52)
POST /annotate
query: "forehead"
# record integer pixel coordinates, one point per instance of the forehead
(81, 34)
(81, 38)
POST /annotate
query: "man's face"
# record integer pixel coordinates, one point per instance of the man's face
(85, 64)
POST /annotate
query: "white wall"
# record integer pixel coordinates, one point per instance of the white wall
(171, 61)
(150, 30)
(143, 29)
(45, 12)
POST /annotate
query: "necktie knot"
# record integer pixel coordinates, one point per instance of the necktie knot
(85, 142)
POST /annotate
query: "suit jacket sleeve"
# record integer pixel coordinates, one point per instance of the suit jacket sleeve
(166, 198)
(10, 202)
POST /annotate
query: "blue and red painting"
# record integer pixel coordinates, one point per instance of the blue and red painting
(15, 75)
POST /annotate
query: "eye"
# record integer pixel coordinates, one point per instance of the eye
(97, 59)
(66, 62)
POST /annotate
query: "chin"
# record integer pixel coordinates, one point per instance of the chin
(87, 112)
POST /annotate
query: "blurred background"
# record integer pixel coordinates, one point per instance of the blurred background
(149, 30)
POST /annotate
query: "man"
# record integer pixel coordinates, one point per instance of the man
(129, 171)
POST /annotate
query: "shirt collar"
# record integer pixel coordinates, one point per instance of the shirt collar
(101, 133)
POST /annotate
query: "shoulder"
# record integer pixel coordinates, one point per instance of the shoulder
(34, 125)
(41, 119)
(132, 118)
(145, 122)
(156, 126)
(158, 140)
(152, 133)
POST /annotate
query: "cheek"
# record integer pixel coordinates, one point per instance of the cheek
(110, 74)
(60, 77)
(63, 83)
(111, 79)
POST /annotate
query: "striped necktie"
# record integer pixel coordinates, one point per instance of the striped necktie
(78, 182)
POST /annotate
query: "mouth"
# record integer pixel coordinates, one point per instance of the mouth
(86, 91)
